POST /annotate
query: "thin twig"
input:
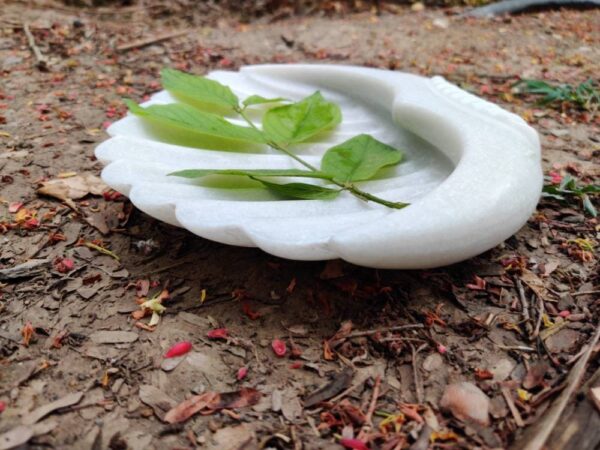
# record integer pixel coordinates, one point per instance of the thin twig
(151, 40)
(538, 323)
(368, 425)
(538, 434)
(577, 294)
(511, 405)
(384, 330)
(520, 348)
(524, 306)
(40, 60)
(416, 376)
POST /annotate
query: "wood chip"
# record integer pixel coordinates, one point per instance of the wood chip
(27, 269)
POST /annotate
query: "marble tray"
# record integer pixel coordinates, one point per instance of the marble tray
(472, 172)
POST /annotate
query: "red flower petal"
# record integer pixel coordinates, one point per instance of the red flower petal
(181, 348)
(354, 444)
(218, 333)
(242, 372)
(279, 347)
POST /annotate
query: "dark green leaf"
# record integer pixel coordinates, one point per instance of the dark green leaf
(192, 119)
(197, 89)
(258, 100)
(197, 173)
(299, 121)
(358, 159)
(302, 191)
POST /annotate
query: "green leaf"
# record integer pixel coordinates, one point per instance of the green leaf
(302, 191)
(199, 90)
(358, 159)
(188, 118)
(588, 205)
(197, 173)
(299, 121)
(259, 100)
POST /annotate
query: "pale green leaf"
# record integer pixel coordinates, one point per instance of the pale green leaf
(259, 100)
(358, 159)
(193, 120)
(197, 173)
(302, 191)
(300, 121)
(198, 90)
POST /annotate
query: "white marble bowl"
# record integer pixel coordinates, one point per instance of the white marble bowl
(471, 172)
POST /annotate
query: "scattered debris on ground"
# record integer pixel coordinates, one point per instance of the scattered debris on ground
(118, 331)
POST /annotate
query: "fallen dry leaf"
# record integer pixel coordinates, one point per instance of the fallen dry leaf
(16, 437)
(466, 402)
(160, 402)
(233, 438)
(340, 382)
(43, 411)
(73, 188)
(210, 402)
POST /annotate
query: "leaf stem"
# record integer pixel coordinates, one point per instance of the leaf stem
(346, 186)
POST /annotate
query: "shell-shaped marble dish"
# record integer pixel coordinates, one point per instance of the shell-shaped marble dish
(471, 172)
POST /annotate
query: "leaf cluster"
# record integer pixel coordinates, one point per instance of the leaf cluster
(585, 95)
(568, 188)
(284, 124)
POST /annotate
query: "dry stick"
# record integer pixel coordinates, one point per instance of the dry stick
(577, 294)
(384, 330)
(511, 405)
(543, 428)
(151, 40)
(369, 416)
(538, 324)
(40, 60)
(524, 305)
(418, 387)
(520, 348)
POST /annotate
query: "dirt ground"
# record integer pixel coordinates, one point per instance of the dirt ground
(514, 324)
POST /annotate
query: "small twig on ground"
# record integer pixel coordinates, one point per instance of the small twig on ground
(40, 60)
(368, 425)
(538, 323)
(521, 348)
(524, 306)
(151, 40)
(536, 436)
(417, 377)
(384, 330)
(577, 294)
(511, 405)
(27, 269)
